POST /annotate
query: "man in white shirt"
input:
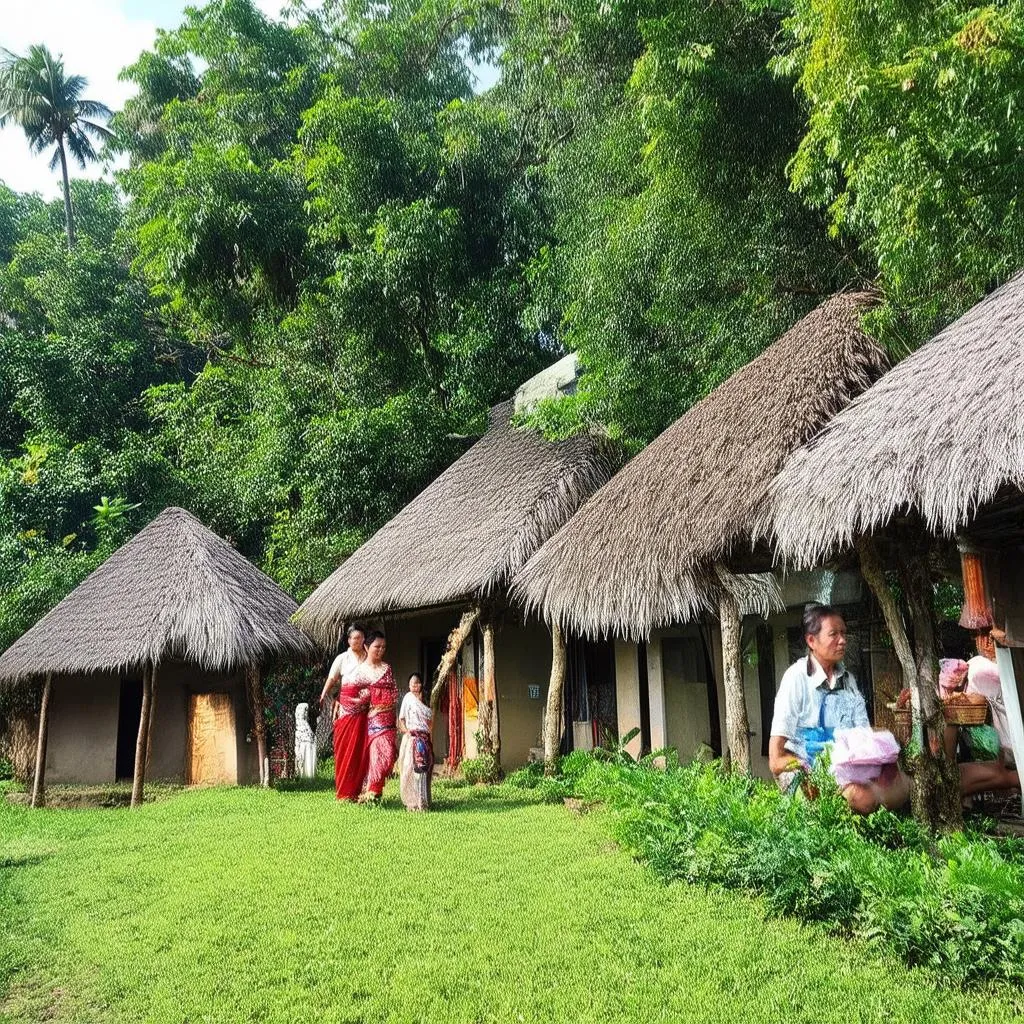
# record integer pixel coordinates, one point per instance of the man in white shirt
(818, 691)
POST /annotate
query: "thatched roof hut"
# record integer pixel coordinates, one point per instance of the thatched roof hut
(468, 532)
(941, 435)
(175, 591)
(642, 552)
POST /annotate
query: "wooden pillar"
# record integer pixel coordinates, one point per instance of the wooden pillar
(456, 638)
(254, 679)
(490, 726)
(142, 743)
(553, 712)
(657, 710)
(737, 726)
(39, 783)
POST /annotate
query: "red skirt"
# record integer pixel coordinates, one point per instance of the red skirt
(350, 755)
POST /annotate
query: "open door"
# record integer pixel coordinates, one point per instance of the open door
(211, 752)
(129, 713)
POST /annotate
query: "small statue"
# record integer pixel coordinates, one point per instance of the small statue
(305, 744)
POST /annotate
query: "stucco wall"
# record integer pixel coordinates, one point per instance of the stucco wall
(522, 656)
(82, 740)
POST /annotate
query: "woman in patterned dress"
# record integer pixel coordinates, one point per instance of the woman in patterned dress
(416, 756)
(375, 674)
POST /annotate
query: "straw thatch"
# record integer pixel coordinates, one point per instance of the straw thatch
(468, 532)
(940, 435)
(641, 552)
(174, 591)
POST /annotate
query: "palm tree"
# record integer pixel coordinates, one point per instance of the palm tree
(36, 94)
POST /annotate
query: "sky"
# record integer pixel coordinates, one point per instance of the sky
(97, 39)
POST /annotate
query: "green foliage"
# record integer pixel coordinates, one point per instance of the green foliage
(912, 144)
(477, 770)
(957, 908)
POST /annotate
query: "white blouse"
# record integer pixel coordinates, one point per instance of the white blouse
(415, 713)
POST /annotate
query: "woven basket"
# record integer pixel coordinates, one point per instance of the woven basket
(901, 724)
(965, 714)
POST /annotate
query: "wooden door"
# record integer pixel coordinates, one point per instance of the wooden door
(211, 753)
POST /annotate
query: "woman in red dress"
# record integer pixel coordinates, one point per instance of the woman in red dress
(350, 708)
(376, 674)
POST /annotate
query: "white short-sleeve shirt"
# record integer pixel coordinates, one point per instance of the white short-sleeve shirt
(343, 664)
(803, 690)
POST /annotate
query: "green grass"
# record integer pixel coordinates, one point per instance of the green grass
(284, 906)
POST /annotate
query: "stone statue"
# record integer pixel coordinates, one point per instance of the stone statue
(305, 744)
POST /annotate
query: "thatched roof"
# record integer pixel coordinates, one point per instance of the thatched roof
(468, 532)
(174, 591)
(940, 435)
(640, 553)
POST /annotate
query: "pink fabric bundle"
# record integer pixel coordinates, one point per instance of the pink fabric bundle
(952, 676)
(983, 678)
(859, 755)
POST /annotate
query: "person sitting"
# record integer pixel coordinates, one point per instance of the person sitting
(818, 693)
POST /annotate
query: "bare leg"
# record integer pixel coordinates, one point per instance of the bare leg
(984, 776)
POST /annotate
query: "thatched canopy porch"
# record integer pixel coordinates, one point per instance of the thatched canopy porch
(929, 458)
(453, 550)
(668, 539)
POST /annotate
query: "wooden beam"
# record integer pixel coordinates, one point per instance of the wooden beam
(456, 638)
(737, 725)
(39, 783)
(142, 743)
(490, 727)
(254, 678)
(556, 688)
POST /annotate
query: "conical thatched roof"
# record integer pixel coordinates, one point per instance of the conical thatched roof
(641, 551)
(468, 532)
(941, 434)
(175, 590)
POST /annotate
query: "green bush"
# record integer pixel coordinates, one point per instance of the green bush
(6, 769)
(527, 777)
(955, 905)
(481, 769)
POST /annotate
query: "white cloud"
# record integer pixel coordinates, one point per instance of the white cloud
(97, 40)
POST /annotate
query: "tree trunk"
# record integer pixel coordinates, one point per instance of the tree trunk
(255, 683)
(553, 715)
(69, 218)
(936, 797)
(737, 726)
(490, 727)
(39, 783)
(142, 743)
(456, 638)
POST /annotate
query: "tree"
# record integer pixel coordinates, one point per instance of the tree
(36, 94)
(912, 146)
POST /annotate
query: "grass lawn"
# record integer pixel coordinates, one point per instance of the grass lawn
(272, 906)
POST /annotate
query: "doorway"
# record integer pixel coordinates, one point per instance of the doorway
(211, 751)
(129, 715)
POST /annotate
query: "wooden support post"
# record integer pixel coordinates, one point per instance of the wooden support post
(142, 743)
(490, 726)
(39, 783)
(553, 713)
(456, 638)
(255, 683)
(737, 725)
(936, 796)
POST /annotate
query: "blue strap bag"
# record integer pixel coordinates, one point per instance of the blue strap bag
(815, 738)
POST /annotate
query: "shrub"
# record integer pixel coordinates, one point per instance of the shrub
(480, 769)
(526, 777)
(955, 905)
